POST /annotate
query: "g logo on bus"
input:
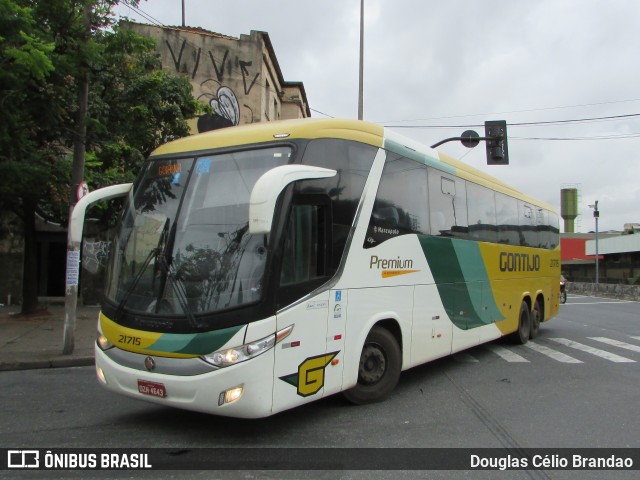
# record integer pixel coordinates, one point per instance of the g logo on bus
(309, 378)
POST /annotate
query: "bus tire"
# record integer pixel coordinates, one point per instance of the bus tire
(521, 336)
(536, 318)
(379, 368)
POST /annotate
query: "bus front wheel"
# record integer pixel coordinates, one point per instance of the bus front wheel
(379, 368)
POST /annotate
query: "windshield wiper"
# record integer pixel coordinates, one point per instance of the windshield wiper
(163, 259)
(134, 283)
(178, 289)
(156, 252)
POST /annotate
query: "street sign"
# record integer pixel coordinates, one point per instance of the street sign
(83, 189)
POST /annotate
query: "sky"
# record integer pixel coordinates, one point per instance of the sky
(432, 69)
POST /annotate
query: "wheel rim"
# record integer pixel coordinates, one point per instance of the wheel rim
(373, 364)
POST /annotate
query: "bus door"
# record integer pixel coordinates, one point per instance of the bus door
(432, 329)
(302, 358)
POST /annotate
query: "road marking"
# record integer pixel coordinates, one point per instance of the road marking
(617, 343)
(612, 357)
(465, 358)
(506, 354)
(549, 352)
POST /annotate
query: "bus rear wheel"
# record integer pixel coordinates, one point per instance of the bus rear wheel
(521, 336)
(536, 319)
(379, 368)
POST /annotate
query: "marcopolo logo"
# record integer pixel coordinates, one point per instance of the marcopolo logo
(519, 262)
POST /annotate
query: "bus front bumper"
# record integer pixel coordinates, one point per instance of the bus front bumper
(244, 390)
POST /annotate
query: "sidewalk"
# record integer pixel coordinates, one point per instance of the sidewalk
(36, 341)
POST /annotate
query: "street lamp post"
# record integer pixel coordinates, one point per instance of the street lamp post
(596, 215)
(361, 71)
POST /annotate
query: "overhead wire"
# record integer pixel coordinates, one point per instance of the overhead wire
(526, 124)
(143, 14)
(529, 110)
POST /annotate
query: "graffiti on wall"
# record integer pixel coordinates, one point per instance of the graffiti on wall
(222, 99)
(226, 109)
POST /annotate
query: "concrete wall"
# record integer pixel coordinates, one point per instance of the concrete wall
(622, 292)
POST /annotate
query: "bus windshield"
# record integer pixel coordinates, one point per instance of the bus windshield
(183, 247)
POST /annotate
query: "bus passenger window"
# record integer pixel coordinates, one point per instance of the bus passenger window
(400, 207)
(507, 219)
(481, 208)
(528, 228)
(447, 205)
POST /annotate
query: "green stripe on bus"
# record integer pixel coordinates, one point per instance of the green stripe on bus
(421, 157)
(462, 281)
(196, 343)
(476, 277)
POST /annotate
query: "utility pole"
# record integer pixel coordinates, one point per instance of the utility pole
(183, 16)
(361, 83)
(596, 214)
(77, 177)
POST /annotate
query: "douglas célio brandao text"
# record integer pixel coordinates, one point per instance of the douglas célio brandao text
(550, 461)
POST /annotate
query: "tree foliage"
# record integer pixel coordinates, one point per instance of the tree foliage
(47, 49)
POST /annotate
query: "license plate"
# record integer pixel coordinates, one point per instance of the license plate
(152, 388)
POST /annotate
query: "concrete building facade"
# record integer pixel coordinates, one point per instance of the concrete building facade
(618, 257)
(240, 78)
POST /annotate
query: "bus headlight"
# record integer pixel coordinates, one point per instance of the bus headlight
(103, 342)
(231, 356)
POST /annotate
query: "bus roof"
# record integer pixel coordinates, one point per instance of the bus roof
(360, 131)
(364, 132)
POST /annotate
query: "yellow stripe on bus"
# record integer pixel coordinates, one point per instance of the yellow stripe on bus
(132, 340)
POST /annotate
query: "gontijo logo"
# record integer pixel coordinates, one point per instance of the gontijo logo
(391, 267)
(519, 262)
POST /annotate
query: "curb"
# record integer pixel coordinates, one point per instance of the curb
(83, 361)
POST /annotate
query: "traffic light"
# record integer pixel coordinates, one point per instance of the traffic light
(495, 132)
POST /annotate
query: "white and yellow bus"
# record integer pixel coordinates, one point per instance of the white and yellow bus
(261, 267)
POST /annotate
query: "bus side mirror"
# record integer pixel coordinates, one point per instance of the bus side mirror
(76, 222)
(262, 202)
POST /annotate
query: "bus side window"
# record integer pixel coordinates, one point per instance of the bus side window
(447, 205)
(554, 229)
(400, 207)
(507, 219)
(542, 227)
(528, 228)
(306, 258)
(481, 207)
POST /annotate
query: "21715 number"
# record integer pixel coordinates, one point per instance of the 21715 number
(127, 340)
